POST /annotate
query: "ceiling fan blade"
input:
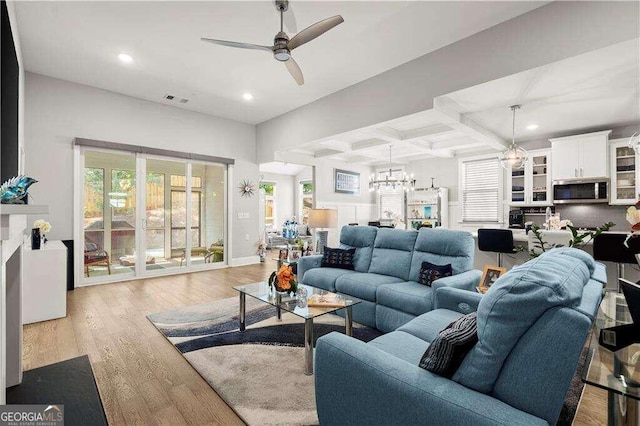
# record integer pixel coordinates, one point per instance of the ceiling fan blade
(314, 31)
(236, 44)
(295, 71)
(290, 20)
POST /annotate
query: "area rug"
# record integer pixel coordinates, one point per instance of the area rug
(260, 372)
(70, 383)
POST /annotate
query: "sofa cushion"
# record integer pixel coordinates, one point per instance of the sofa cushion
(392, 252)
(514, 303)
(441, 246)
(363, 286)
(430, 272)
(406, 296)
(324, 278)
(338, 258)
(361, 238)
(427, 326)
(401, 345)
(447, 351)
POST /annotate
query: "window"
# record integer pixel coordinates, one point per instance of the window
(179, 180)
(390, 200)
(269, 203)
(306, 198)
(481, 189)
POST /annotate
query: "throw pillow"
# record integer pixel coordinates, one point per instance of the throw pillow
(447, 351)
(430, 272)
(338, 258)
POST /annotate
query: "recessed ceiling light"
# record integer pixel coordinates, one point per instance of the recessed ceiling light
(127, 59)
(532, 127)
(247, 97)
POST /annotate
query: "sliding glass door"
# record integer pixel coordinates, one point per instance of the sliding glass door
(145, 215)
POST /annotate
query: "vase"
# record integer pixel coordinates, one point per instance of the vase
(35, 239)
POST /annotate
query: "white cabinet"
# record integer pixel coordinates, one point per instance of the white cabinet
(44, 282)
(580, 156)
(531, 186)
(624, 173)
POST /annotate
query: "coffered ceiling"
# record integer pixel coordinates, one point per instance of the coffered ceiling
(595, 90)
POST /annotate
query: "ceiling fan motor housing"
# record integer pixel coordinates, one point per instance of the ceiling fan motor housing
(280, 50)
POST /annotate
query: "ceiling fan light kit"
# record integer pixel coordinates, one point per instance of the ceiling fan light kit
(282, 45)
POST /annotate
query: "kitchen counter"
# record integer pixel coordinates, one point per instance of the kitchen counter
(520, 238)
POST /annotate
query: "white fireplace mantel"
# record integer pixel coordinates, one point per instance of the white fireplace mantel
(13, 222)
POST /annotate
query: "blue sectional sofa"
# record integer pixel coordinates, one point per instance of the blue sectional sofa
(386, 267)
(532, 325)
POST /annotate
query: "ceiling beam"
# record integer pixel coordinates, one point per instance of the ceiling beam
(448, 112)
(327, 153)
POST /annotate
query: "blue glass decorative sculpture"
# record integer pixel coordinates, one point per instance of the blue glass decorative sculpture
(15, 190)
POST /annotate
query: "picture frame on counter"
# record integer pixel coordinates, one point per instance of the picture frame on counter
(490, 275)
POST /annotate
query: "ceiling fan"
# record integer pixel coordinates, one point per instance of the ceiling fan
(282, 46)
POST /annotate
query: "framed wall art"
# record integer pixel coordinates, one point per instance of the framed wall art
(346, 182)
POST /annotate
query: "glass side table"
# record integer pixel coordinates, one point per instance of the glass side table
(616, 372)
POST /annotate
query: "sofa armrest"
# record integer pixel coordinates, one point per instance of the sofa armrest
(308, 262)
(454, 299)
(359, 384)
(466, 281)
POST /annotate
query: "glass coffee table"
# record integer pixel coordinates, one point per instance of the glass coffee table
(298, 306)
(616, 372)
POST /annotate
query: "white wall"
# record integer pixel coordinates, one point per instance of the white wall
(553, 32)
(284, 196)
(57, 111)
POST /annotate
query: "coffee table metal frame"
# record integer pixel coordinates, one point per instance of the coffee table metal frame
(290, 304)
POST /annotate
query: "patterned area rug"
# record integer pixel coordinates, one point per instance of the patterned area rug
(260, 372)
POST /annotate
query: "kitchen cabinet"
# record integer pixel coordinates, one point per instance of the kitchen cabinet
(580, 156)
(531, 186)
(624, 173)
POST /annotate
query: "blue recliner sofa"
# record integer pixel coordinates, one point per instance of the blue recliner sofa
(387, 263)
(532, 325)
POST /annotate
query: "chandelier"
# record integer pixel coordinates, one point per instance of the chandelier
(405, 183)
(515, 156)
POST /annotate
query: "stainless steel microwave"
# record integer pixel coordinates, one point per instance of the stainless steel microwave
(581, 191)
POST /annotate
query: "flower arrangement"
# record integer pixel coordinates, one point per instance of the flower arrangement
(284, 280)
(633, 217)
(44, 226)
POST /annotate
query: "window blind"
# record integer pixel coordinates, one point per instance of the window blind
(390, 200)
(481, 190)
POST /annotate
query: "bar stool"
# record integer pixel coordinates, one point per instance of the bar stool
(497, 241)
(609, 247)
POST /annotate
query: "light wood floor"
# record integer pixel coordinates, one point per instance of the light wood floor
(141, 377)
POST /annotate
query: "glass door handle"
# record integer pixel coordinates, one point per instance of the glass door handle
(144, 223)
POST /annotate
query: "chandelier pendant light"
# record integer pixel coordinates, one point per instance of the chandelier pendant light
(405, 183)
(515, 156)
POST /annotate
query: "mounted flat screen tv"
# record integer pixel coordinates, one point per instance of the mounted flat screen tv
(9, 84)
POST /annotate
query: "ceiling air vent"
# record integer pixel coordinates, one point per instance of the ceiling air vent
(172, 98)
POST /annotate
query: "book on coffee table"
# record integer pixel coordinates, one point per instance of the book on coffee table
(329, 300)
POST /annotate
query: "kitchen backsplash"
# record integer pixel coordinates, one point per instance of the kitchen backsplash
(593, 215)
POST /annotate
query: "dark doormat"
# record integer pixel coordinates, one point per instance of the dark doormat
(69, 383)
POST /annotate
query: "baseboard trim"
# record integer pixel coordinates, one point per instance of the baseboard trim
(243, 261)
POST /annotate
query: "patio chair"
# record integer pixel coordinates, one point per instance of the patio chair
(93, 256)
